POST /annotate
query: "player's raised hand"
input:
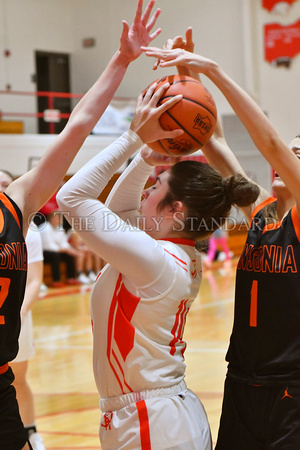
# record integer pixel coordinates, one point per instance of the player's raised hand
(179, 57)
(146, 118)
(179, 42)
(132, 39)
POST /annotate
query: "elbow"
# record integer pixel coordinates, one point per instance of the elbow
(61, 199)
(80, 127)
(274, 143)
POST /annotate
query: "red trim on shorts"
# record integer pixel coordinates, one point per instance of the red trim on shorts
(144, 425)
(4, 368)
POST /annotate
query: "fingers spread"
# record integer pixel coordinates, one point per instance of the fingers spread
(147, 12)
(153, 20)
(138, 14)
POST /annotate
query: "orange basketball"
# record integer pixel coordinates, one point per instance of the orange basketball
(195, 114)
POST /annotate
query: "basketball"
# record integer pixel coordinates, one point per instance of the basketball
(195, 114)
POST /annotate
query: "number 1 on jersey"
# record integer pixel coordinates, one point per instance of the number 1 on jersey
(253, 304)
(4, 287)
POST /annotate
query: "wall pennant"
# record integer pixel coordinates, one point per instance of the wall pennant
(282, 43)
(278, 6)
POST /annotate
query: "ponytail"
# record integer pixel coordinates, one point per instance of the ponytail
(240, 191)
(207, 197)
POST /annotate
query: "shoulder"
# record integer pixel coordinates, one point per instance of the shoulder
(180, 249)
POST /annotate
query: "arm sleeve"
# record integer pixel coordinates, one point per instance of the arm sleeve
(131, 251)
(125, 196)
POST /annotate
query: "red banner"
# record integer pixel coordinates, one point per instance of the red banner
(277, 5)
(281, 42)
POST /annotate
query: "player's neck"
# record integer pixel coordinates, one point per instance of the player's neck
(284, 205)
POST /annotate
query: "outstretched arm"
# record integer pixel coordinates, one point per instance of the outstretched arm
(216, 151)
(32, 190)
(260, 129)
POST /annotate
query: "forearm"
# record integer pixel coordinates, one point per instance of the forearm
(262, 132)
(89, 181)
(126, 193)
(219, 155)
(34, 281)
(60, 154)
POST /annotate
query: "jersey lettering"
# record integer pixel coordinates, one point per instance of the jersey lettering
(13, 256)
(273, 259)
(4, 288)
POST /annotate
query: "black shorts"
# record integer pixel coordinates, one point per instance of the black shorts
(13, 435)
(259, 417)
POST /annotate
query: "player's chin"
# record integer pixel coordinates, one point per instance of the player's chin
(278, 184)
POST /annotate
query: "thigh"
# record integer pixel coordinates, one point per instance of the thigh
(239, 425)
(13, 435)
(26, 344)
(175, 423)
(179, 423)
(284, 420)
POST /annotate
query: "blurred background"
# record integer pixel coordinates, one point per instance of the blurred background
(63, 46)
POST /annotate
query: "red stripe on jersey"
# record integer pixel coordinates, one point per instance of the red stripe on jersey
(124, 331)
(121, 332)
(261, 206)
(122, 372)
(181, 266)
(181, 241)
(10, 207)
(144, 425)
(111, 316)
(296, 222)
(177, 330)
(178, 259)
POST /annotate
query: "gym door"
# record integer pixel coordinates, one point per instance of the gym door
(52, 74)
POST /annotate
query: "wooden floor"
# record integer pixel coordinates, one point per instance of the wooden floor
(61, 375)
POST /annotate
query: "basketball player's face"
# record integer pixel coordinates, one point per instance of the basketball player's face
(295, 147)
(150, 200)
(5, 181)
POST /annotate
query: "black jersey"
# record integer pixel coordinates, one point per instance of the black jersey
(13, 270)
(265, 342)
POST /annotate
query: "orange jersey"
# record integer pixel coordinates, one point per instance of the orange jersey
(13, 270)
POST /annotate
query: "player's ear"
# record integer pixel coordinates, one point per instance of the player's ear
(176, 207)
